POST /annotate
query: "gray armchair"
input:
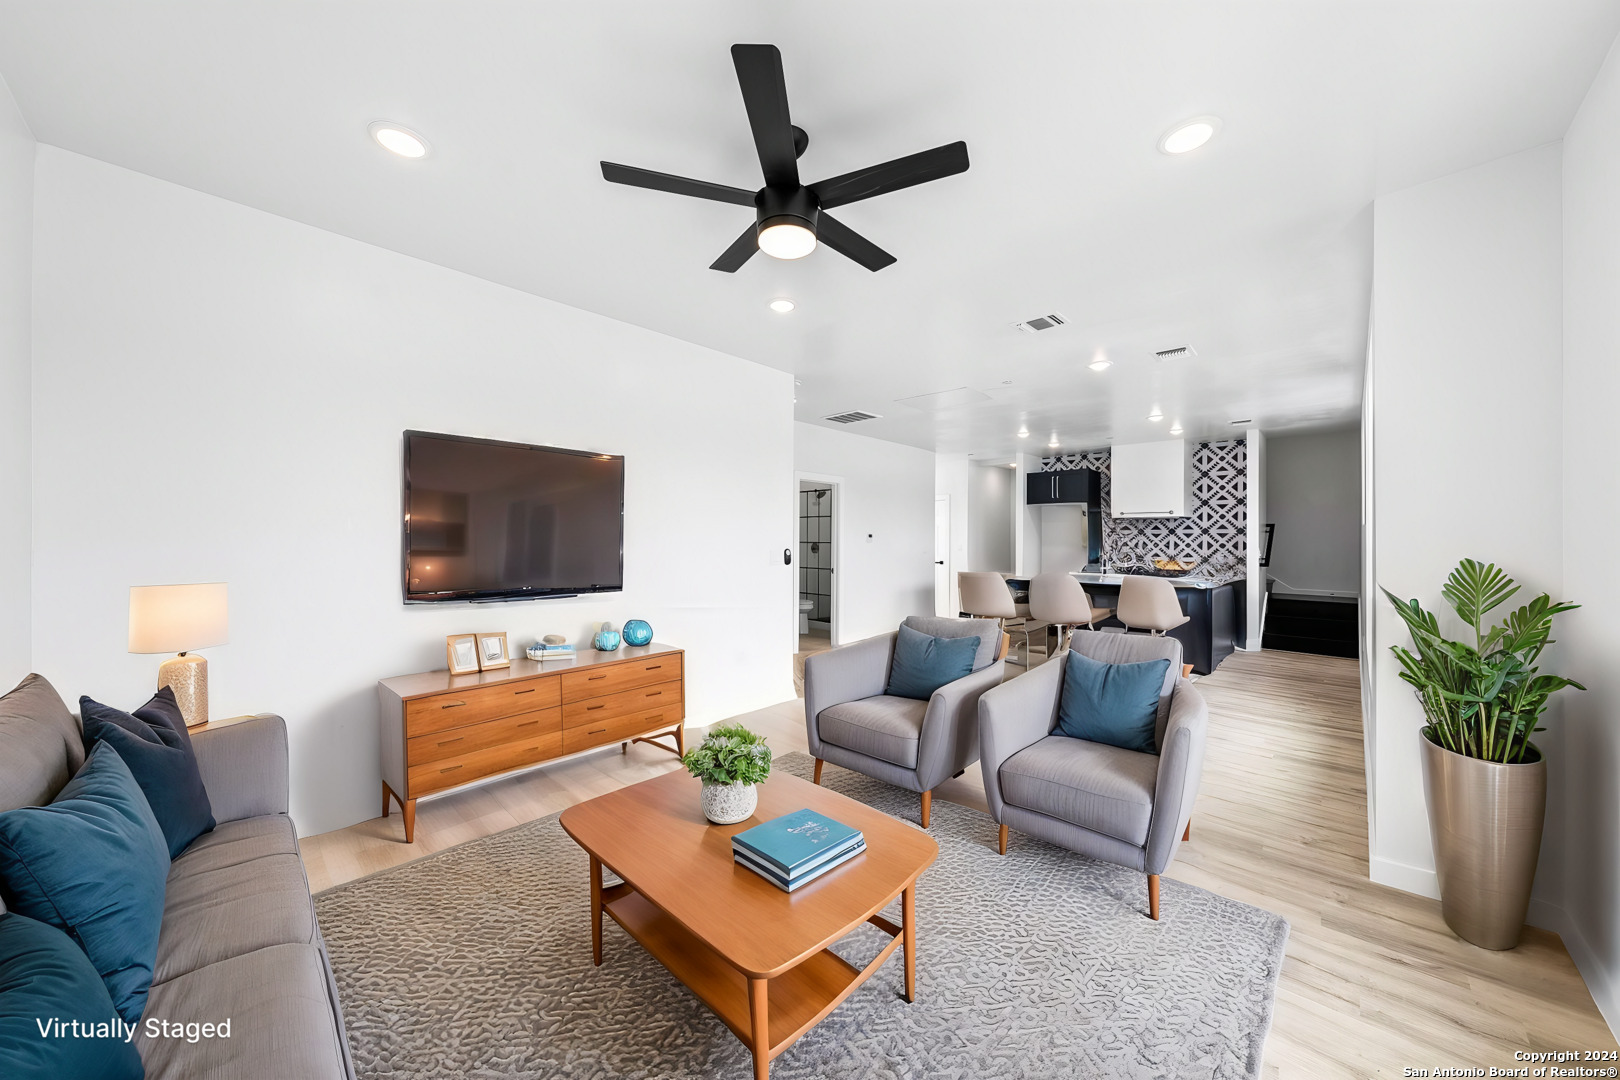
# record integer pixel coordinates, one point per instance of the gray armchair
(1120, 806)
(913, 744)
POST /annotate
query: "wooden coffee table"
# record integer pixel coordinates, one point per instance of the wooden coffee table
(754, 954)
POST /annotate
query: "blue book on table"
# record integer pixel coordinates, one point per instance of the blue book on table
(794, 840)
(786, 884)
(809, 864)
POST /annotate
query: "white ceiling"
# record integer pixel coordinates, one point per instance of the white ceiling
(1255, 250)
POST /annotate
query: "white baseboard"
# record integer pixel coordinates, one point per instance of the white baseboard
(1399, 875)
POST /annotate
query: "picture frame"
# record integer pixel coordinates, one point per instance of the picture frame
(493, 652)
(461, 653)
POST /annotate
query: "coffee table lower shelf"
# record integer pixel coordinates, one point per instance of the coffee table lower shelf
(791, 1003)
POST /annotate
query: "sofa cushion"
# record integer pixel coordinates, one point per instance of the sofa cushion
(923, 663)
(45, 977)
(1117, 704)
(237, 842)
(43, 748)
(281, 1015)
(93, 863)
(1095, 786)
(883, 727)
(154, 744)
(213, 915)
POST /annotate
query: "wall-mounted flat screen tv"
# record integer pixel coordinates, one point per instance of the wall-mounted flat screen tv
(488, 520)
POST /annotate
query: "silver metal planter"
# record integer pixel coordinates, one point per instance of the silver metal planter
(1485, 820)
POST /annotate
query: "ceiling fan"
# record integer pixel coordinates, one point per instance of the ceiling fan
(791, 217)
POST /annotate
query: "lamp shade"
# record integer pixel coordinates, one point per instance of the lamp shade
(176, 618)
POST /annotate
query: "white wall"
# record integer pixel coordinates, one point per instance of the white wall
(1313, 495)
(1591, 516)
(1465, 358)
(219, 395)
(990, 518)
(883, 552)
(16, 271)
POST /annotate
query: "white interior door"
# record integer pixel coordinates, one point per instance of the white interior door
(943, 602)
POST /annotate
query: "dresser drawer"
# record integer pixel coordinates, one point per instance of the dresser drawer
(455, 742)
(642, 698)
(596, 680)
(458, 708)
(437, 775)
(620, 728)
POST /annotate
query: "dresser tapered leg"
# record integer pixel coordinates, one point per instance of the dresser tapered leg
(407, 810)
(386, 794)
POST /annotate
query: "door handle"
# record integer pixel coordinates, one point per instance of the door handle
(939, 562)
(787, 557)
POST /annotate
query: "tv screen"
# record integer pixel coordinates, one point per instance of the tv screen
(487, 520)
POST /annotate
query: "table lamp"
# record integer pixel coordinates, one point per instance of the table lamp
(179, 619)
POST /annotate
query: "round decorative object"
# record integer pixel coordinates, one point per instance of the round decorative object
(637, 632)
(727, 804)
(607, 638)
(554, 639)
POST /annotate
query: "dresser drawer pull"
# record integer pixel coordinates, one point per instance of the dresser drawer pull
(457, 739)
(453, 705)
(590, 708)
(652, 667)
(532, 750)
(528, 723)
(654, 693)
(597, 731)
(452, 768)
(530, 690)
(657, 716)
(593, 678)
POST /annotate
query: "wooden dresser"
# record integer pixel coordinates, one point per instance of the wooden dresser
(441, 731)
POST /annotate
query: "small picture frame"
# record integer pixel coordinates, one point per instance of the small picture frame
(492, 652)
(461, 653)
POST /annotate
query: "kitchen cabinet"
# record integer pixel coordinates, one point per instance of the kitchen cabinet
(1065, 486)
(1150, 480)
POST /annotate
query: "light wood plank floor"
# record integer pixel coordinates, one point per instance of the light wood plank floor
(1373, 981)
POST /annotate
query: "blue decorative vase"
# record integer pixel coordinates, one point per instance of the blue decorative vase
(607, 638)
(637, 632)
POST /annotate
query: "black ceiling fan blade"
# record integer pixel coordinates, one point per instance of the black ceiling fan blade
(764, 91)
(941, 161)
(741, 250)
(851, 244)
(675, 185)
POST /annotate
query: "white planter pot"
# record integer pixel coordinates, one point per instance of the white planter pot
(727, 804)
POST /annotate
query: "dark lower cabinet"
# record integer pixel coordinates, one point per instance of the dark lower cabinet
(1213, 627)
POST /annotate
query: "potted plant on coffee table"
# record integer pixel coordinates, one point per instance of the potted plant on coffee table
(730, 761)
(1484, 780)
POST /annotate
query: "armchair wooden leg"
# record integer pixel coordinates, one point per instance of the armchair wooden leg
(1153, 897)
(819, 764)
(927, 804)
(1186, 834)
(386, 794)
(1004, 839)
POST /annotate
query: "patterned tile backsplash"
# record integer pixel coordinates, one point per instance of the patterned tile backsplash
(1215, 533)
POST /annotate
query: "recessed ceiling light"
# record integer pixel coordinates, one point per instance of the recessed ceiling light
(1023, 433)
(786, 241)
(1189, 134)
(398, 139)
(782, 305)
(1155, 416)
(1054, 443)
(1240, 423)
(1175, 429)
(1100, 364)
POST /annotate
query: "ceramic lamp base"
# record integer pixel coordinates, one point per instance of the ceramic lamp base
(187, 676)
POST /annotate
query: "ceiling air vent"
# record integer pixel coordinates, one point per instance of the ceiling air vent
(1180, 352)
(852, 417)
(1040, 322)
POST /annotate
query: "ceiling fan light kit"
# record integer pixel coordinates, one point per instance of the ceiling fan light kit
(790, 218)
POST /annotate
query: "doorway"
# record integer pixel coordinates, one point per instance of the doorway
(816, 602)
(944, 600)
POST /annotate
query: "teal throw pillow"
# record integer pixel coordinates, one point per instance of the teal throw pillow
(1117, 704)
(47, 983)
(93, 863)
(924, 663)
(154, 743)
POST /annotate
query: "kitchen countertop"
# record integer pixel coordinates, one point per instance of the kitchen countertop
(1193, 580)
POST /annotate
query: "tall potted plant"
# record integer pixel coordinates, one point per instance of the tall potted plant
(1484, 780)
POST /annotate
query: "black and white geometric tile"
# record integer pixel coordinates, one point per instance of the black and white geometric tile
(1215, 533)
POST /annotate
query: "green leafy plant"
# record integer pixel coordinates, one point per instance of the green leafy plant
(1482, 700)
(730, 754)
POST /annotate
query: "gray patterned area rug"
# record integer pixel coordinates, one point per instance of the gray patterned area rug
(476, 962)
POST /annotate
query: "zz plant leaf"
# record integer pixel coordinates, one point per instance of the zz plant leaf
(1482, 699)
(730, 754)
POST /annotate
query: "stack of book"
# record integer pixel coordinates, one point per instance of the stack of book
(541, 651)
(795, 848)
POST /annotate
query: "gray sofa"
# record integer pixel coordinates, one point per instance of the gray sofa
(239, 939)
(913, 744)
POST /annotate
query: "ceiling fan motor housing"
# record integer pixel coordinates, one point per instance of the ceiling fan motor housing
(776, 206)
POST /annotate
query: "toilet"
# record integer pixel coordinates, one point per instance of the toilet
(806, 606)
